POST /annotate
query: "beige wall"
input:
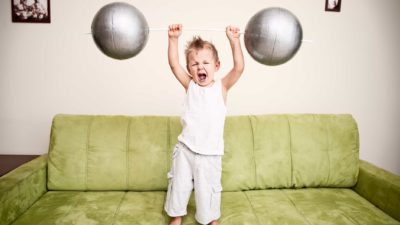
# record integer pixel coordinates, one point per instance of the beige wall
(352, 66)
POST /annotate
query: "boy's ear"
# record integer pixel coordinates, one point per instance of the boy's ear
(188, 72)
(217, 65)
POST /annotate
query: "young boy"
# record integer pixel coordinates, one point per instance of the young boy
(197, 156)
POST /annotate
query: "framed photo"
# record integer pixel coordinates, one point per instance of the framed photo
(30, 11)
(333, 5)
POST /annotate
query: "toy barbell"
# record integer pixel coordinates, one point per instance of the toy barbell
(272, 36)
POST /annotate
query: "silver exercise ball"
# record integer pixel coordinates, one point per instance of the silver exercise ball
(273, 36)
(120, 30)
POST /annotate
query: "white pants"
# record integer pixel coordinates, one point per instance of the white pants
(203, 173)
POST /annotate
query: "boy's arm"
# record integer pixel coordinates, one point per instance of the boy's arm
(233, 76)
(174, 31)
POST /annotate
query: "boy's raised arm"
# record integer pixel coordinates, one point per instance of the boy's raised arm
(174, 31)
(233, 76)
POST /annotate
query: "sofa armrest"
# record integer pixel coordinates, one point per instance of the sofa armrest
(20, 188)
(380, 187)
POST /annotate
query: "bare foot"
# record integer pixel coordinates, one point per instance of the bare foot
(214, 222)
(176, 220)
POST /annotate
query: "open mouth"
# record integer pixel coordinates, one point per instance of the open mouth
(202, 77)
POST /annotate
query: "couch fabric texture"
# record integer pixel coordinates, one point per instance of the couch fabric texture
(277, 169)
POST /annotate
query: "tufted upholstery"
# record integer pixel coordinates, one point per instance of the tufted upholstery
(264, 151)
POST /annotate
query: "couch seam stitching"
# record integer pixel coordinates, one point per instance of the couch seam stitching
(290, 151)
(252, 207)
(348, 216)
(254, 159)
(294, 205)
(328, 149)
(87, 151)
(355, 130)
(127, 152)
(119, 207)
(168, 146)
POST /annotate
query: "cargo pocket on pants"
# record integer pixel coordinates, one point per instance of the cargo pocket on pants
(170, 176)
(215, 203)
(169, 191)
(171, 173)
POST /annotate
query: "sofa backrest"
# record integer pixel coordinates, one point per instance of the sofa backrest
(264, 151)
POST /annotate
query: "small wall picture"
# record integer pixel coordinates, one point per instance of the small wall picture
(333, 5)
(30, 11)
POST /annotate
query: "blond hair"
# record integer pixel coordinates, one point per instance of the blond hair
(196, 44)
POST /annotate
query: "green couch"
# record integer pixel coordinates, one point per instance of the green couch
(277, 169)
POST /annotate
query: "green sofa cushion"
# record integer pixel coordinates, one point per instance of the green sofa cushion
(264, 151)
(108, 153)
(275, 207)
(306, 206)
(238, 168)
(85, 208)
(324, 150)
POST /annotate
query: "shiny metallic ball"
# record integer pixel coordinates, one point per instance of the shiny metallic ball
(120, 30)
(273, 36)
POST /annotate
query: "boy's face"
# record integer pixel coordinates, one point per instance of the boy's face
(202, 66)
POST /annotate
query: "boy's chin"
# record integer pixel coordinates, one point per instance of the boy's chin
(204, 83)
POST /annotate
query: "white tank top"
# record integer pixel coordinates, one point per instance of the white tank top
(203, 119)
